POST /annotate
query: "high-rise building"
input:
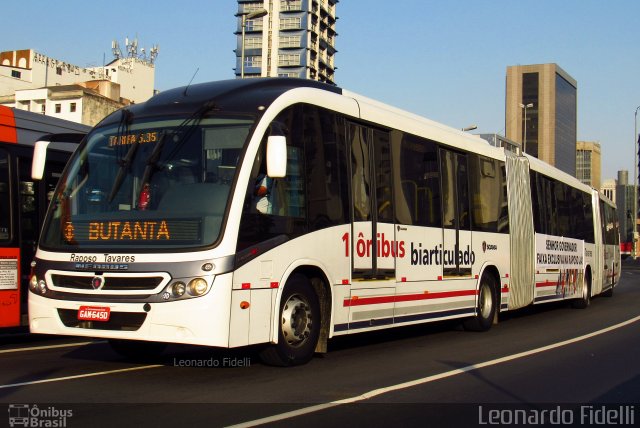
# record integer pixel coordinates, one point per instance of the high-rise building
(588, 159)
(624, 204)
(544, 97)
(608, 188)
(296, 38)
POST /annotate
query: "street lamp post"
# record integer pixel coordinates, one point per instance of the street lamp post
(635, 183)
(245, 16)
(524, 139)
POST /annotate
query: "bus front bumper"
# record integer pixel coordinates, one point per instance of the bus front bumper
(198, 321)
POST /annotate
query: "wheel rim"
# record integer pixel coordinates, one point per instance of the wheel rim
(485, 302)
(297, 320)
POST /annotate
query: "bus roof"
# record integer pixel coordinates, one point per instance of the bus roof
(235, 95)
(24, 127)
(257, 94)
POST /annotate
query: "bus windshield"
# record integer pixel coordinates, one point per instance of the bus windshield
(141, 184)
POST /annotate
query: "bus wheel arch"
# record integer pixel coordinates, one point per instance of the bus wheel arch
(488, 301)
(320, 284)
(300, 320)
(584, 301)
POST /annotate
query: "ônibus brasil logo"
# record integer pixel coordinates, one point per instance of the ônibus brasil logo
(27, 415)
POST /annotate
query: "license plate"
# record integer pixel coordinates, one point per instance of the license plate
(94, 313)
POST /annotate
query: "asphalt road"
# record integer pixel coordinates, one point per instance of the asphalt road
(549, 357)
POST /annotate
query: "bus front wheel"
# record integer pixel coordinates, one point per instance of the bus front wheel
(298, 326)
(486, 308)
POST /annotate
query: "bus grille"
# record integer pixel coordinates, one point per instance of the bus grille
(111, 283)
(123, 321)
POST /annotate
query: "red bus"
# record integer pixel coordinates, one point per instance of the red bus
(23, 202)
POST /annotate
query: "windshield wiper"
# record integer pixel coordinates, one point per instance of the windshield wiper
(124, 166)
(123, 128)
(190, 123)
(152, 162)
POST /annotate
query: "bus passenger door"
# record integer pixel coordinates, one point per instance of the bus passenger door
(34, 198)
(373, 241)
(457, 255)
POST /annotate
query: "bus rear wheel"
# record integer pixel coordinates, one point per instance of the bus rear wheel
(486, 309)
(298, 326)
(584, 301)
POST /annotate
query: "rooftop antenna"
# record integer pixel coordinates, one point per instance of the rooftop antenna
(115, 49)
(132, 47)
(153, 53)
(187, 87)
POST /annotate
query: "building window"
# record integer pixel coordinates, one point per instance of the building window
(290, 41)
(59, 71)
(72, 107)
(58, 108)
(253, 61)
(530, 89)
(43, 108)
(288, 5)
(253, 43)
(250, 7)
(254, 24)
(290, 23)
(291, 59)
(16, 74)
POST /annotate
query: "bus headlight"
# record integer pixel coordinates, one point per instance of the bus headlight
(33, 283)
(42, 286)
(178, 289)
(197, 287)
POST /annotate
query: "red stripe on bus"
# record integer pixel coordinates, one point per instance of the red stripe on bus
(8, 133)
(547, 284)
(360, 301)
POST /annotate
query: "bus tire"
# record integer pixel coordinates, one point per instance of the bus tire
(137, 350)
(584, 301)
(486, 308)
(298, 326)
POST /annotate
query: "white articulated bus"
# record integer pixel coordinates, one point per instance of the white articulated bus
(285, 212)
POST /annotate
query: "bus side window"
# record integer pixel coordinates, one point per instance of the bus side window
(283, 212)
(418, 199)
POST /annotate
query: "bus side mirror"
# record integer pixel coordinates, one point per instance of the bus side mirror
(276, 156)
(39, 159)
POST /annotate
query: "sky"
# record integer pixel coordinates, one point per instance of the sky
(442, 59)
